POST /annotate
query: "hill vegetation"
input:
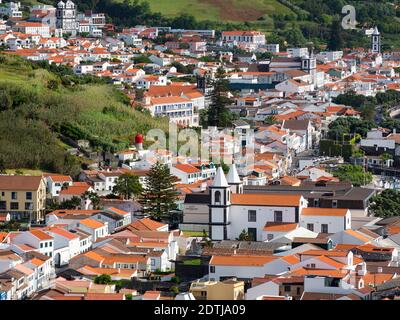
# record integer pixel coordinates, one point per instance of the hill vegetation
(40, 103)
(217, 10)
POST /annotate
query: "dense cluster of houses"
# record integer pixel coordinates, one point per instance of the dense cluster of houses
(304, 241)
(281, 227)
(293, 84)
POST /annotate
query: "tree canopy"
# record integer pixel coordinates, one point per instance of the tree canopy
(103, 279)
(386, 204)
(159, 196)
(353, 174)
(127, 185)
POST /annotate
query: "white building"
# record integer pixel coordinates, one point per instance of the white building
(11, 9)
(187, 173)
(33, 28)
(37, 239)
(325, 220)
(297, 52)
(247, 266)
(178, 109)
(94, 227)
(329, 56)
(375, 139)
(66, 245)
(251, 37)
(55, 182)
(232, 211)
(272, 47)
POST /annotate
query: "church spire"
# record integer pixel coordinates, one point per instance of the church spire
(220, 180)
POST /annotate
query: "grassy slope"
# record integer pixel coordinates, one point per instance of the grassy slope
(82, 107)
(85, 106)
(226, 10)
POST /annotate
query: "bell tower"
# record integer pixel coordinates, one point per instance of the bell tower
(220, 202)
(234, 180)
(376, 41)
(66, 16)
(309, 65)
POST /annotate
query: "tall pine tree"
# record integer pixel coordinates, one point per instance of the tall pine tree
(217, 113)
(159, 197)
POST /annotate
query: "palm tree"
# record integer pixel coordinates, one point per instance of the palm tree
(385, 157)
(244, 236)
(93, 197)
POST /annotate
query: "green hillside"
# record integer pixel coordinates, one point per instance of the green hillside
(38, 105)
(217, 10)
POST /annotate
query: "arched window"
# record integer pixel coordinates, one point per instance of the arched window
(217, 196)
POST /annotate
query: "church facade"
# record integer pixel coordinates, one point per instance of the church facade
(66, 17)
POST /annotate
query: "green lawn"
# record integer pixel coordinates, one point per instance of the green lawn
(28, 172)
(192, 262)
(193, 233)
(217, 10)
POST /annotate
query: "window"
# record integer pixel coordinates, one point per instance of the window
(270, 236)
(252, 216)
(217, 196)
(14, 206)
(212, 269)
(50, 244)
(14, 195)
(153, 262)
(278, 216)
(316, 202)
(287, 288)
(324, 228)
(29, 196)
(28, 206)
(3, 205)
(41, 245)
(298, 291)
(334, 203)
(46, 244)
(310, 226)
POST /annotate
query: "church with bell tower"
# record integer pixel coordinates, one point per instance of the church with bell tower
(221, 200)
(232, 211)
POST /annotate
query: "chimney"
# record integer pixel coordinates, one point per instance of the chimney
(380, 270)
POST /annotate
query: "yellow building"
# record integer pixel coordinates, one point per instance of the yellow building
(230, 289)
(24, 197)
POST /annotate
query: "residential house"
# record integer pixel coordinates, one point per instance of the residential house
(55, 182)
(23, 197)
(229, 289)
(37, 239)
